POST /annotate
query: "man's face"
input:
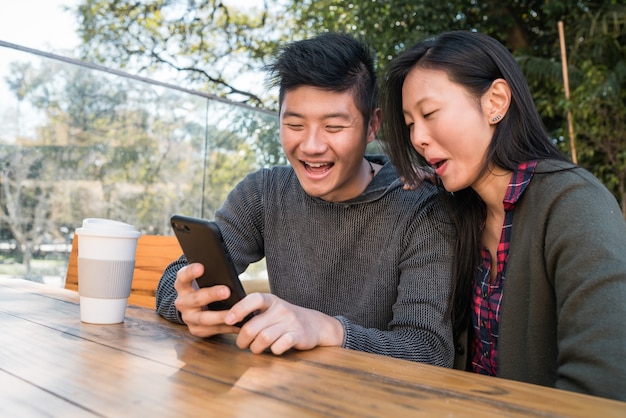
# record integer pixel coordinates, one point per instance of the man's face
(323, 135)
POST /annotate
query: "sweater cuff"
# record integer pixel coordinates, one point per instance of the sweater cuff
(345, 323)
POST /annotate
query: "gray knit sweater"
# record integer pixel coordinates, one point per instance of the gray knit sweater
(380, 262)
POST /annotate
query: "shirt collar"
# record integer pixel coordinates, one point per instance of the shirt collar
(519, 181)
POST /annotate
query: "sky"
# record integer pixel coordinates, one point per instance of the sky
(42, 24)
(46, 26)
(39, 24)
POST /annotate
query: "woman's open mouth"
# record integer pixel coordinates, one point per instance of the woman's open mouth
(438, 165)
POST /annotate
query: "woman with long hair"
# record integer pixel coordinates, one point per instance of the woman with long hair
(540, 278)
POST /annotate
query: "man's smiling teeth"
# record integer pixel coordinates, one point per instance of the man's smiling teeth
(317, 167)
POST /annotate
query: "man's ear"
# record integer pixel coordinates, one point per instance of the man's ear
(497, 100)
(374, 125)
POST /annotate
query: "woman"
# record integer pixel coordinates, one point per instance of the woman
(541, 273)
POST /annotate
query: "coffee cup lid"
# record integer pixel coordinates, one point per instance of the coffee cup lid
(107, 228)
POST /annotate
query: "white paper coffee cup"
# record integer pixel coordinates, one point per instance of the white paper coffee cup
(106, 261)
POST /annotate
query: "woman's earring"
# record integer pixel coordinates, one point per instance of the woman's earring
(496, 118)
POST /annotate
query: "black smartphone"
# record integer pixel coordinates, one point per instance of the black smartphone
(202, 243)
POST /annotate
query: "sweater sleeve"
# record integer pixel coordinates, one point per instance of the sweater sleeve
(166, 294)
(421, 328)
(586, 254)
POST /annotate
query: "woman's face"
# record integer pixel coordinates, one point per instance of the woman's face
(447, 127)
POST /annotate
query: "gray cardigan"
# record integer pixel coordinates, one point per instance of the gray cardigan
(563, 317)
(380, 262)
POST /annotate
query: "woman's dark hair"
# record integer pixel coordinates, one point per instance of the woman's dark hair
(331, 61)
(474, 61)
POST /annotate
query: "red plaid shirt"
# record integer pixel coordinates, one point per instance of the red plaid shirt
(487, 295)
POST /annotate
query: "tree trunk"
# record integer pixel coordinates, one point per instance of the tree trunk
(27, 259)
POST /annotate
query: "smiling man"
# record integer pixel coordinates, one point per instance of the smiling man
(353, 259)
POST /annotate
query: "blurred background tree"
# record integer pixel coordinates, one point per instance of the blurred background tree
(112, 147)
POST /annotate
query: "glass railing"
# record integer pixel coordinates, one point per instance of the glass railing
(79, 140)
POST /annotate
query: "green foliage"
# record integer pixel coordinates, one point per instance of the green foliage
(213, 44)
(598, 99)
(192, 37)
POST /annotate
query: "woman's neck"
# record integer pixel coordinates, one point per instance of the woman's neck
(492, 188)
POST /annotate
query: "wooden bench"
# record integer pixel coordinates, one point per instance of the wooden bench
(154, 254)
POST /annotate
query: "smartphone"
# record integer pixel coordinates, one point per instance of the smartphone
(202, 243)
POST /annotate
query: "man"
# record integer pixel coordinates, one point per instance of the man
(353, 259)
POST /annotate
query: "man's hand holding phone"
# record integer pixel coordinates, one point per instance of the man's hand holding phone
(208, 305)
(191, 302)
(277, 325)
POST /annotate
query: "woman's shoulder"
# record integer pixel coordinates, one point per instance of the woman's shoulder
(568, 188)
(564, 174)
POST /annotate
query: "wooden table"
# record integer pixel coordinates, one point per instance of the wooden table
(51, 364)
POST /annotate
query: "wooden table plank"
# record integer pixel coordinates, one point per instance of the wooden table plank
(113, 382)
(22, 399)
(148, 365)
